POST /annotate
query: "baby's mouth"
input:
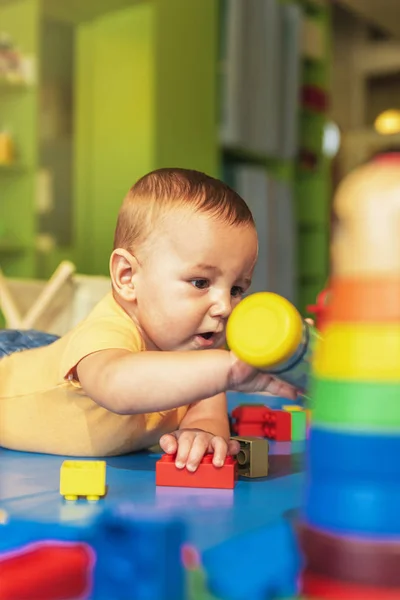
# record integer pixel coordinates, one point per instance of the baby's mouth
(207, 335)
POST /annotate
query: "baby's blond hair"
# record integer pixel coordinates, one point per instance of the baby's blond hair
(166, 189)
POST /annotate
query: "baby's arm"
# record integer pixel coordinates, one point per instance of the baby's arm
(129, 383)
(205, 428)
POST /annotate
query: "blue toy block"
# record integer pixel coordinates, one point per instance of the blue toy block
(139, 556)
(261, 565)
(17, 533)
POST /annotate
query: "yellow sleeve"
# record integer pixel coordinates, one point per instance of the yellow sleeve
(98, 334)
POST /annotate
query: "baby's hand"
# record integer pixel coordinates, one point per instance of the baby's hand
(244, 378)
(190, 445)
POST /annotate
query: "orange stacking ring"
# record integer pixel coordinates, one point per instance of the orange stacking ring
(363, 300)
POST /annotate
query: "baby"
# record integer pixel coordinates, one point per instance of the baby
(149, 363)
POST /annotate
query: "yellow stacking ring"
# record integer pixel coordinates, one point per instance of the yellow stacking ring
(359, 351)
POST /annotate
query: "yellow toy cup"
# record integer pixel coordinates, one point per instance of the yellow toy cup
(266, 331)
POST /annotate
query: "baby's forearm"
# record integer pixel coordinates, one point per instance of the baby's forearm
(216, 427)
(208, 415)
(155, 381)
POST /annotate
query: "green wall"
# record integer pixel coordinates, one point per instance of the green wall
(18, 114)
(146, 98)
(114, 124)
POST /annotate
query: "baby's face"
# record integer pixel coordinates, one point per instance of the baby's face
(193, 273)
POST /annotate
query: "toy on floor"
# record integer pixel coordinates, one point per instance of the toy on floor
(253, 457)
(266, 331)
(351, 530)
(205, 476)
(261, 421)
(122, 554)
(49, 570)
(129, 554)
(260, 565)
(83, 478)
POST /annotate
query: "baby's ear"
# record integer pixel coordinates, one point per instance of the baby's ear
(123, 268)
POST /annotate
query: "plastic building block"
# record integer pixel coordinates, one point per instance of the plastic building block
(206, 475)
(371, 562)
(250, 420)
(83, 478)
(118, 554)
(278, 425)
(292, 407)
(249, 429)
(251, 413)
(269, 564)
(197, 584)
(298, 425)
(47, 570)
(324, 588)
(253, 457)
(261, 421)
(139, 556)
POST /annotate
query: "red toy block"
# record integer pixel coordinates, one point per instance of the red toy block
(278, 426)
(206, 475)
(47, 570)
(261, 421)
(249, 429)
(250, 413)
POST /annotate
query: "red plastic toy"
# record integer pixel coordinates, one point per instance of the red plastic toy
(206, 475)
(261, 421)
(318, 310)
(47, 570)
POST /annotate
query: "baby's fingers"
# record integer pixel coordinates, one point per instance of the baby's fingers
(169, 443)
(233, 447)
(197, 451)
(220, 448)
(280, 388)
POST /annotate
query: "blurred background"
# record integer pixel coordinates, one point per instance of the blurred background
(279, 98)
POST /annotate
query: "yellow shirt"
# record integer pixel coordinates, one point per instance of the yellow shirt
(42, 409)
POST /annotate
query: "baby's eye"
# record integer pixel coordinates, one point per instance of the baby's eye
(200, 284)
(237, 291)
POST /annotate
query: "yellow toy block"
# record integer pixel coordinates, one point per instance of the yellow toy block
(83, 478)
(292, 407)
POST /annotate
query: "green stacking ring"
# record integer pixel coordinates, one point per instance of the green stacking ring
(356, 405)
